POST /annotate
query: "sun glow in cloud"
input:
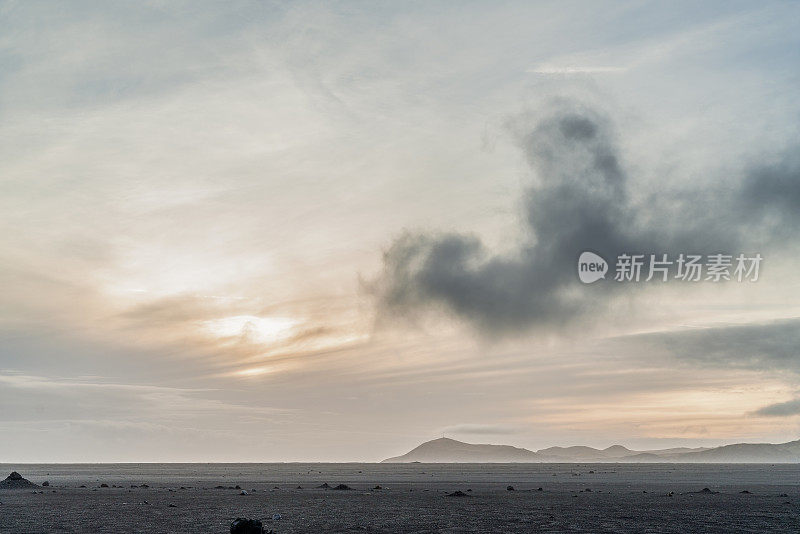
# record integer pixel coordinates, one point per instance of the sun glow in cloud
(260, 330)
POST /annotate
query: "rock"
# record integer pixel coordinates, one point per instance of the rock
(342, 487)
(103, 485)
(172, 505)
(237, 486)
(457, 493)
(242, 525)
(744, 491)
(324, 486)
(299, 487)
(16, 481)
(243, 492)
(276, 517)
(377, 488)
(510, 488)
(45, 483)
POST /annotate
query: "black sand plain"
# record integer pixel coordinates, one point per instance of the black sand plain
(412, 498)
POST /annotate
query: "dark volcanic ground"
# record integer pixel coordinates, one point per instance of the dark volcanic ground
(623, 498)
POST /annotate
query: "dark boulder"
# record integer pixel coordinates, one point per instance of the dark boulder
(342, 487)
(242, 525)
(16, 481)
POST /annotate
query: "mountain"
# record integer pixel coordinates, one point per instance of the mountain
(747, 453)
(446, 450)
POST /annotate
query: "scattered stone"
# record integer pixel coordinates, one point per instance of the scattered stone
(299, 487)
(324, 486)
(145, 486)
(342, 487)
(744, 491)
(16, 481)
(510, 488)
(377, 488)
(783, 495)
(276, 517)
(243, 492)
(45, 483)
(237, 486)
(219, 487)
(104, 485)
(457, 493)
(707, 491)
(172, 505)
(539, 489)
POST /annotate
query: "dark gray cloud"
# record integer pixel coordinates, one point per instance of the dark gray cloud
(771, 346)
(580, 200)
(781, 409)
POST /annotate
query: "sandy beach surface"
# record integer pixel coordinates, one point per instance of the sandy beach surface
(411, 498)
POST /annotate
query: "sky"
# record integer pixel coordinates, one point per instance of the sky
(329, 231)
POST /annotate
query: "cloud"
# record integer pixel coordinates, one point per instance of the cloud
(478, 429)
(770, 346)
(781, 409)
(582, 199)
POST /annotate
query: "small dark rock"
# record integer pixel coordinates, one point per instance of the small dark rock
(104, 485)
(510, 488)
(324, 486)
(377, 488)
(744, 491)
(342, 487)
(172, 505)
(457, 493)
